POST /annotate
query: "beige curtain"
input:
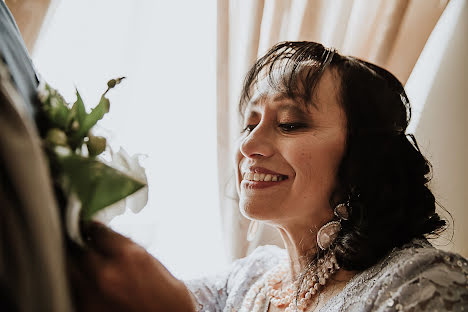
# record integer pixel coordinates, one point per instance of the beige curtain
(388, 33)
(30, 16)
(438, 90)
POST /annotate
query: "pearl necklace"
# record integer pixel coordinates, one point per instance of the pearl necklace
(266, 288)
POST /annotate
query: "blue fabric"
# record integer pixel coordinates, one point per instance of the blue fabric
(15, 55)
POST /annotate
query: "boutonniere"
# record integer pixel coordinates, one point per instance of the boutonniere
(92, 186)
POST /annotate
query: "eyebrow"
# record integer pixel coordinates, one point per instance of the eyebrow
(287, 106)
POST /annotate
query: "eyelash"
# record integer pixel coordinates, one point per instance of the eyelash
(289, 127)
(286, 127)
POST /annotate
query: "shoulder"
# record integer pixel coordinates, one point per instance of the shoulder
(248, 270)
(253, 266)
(417, 277)
(430, 279)
(227, 289)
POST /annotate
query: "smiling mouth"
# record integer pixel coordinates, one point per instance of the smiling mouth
(263, 177)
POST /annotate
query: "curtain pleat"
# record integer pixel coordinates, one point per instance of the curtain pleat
(418, 22)
(437, 89)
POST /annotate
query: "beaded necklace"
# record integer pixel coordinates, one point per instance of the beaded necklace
(295, 296)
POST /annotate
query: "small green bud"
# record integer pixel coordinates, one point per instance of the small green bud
(111, 83)
(96, 145)
(75, 125)
(56, 137)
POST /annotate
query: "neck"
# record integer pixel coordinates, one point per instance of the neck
(300, 249)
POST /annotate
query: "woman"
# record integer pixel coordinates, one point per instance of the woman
(324, 158)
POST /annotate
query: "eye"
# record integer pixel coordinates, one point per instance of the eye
(248, 128)
(289, 127)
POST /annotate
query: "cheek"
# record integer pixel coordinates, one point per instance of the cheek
(316, 168)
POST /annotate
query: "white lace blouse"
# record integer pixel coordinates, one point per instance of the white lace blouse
(415, 277)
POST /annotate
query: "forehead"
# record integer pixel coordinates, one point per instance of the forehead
(325, 95)
(281, 102)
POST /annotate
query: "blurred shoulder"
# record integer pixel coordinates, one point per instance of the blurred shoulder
(262, 259)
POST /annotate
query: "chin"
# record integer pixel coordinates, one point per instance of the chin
(255, 212)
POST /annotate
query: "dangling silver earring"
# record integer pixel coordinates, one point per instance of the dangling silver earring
(252, 231)
(327, 234)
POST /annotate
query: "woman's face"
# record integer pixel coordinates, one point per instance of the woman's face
(288, 157)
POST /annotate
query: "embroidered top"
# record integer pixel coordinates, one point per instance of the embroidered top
(415, 277)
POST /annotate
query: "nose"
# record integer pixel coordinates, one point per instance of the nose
(258, 143)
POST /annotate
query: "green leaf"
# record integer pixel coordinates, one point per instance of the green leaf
(89, 120)
(76, 119)
(78, 109)
(96, 184)
(57, 110)
(97, 113)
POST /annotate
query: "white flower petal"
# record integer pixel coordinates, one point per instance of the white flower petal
(120, 160)
(72, 219)
(106, 215)
(131, 166)
(138, 200)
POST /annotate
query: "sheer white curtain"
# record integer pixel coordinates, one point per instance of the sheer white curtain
(165, 109)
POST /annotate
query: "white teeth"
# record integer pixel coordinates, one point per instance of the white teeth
(250, 176)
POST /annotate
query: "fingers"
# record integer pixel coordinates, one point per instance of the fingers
(85, 268)
(103, 239)
(131, 280)
(82, 281)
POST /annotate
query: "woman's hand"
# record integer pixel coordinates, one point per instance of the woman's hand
(115, 274)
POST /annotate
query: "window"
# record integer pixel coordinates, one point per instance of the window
(164, 109)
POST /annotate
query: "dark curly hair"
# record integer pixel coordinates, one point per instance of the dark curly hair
(383, 175)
